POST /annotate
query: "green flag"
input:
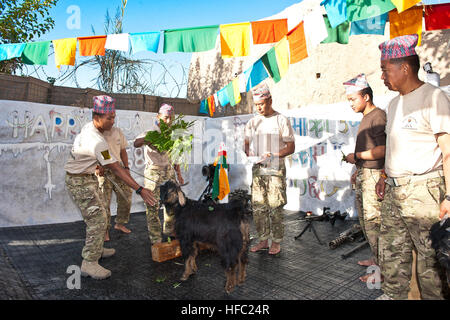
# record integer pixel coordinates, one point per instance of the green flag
(271, 64)
(364, 9)
(190, 39)
(339, 34)
(36, 53)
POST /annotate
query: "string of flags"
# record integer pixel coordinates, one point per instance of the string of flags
(343, 19)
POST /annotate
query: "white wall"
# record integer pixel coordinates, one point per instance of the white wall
(35, 140)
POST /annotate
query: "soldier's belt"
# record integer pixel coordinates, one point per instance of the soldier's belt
(80, 174)
(396, 182)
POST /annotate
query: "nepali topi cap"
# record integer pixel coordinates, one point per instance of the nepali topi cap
(399, 47)
(166, 109)
(356, 84)
(104, 104)
(261, 92)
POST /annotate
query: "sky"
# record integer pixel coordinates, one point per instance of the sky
(76, 19)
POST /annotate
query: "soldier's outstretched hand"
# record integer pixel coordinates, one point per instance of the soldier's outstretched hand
(148, 197)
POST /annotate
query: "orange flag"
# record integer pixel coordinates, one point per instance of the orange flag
(211, 105)
(269, 31)
(297, 43)
(92, 46)
(407, 22)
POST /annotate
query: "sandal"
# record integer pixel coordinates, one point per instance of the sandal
(273, 250)
(260, 246)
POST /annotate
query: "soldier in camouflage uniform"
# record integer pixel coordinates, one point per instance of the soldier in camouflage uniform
(157, 170)
(269, 136)
(369, 160)
(417, 165)
(90, 151)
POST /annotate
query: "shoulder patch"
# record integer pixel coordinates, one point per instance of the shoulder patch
(106, 155)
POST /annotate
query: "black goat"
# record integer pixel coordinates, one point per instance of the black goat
(223, 227)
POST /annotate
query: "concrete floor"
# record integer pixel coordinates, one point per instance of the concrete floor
(34, 261)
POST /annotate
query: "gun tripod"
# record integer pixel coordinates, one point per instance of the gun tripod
(309, 227)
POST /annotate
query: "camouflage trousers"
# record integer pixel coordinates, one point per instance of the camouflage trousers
(407, 214)
(268, 199)
(123, 200)
(368, 206)
(87, 196)
(158, 175)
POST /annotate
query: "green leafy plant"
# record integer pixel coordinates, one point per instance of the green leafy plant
(174, 140)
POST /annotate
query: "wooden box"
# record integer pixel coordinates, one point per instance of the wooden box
(166, 250)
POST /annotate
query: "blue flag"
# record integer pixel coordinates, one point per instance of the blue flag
(255, 75)
(336, 11)
(11, 50)
(224, 99)
(145, 41)
(375, 25)
(204, 107)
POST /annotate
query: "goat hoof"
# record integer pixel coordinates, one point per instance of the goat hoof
(184, 278)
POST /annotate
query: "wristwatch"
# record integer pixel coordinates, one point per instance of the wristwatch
(447, 197)
(138, 190)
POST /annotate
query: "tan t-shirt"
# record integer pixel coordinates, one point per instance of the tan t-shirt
(89, 149)
(151, 155)
(412, 122)
(116, 141)
(268, 134)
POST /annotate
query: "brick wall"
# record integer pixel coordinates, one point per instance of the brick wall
(35, 90)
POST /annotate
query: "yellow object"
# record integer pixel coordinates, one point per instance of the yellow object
(402, 5)
(235, 39)
(65, 51)
(282, 54)
(407, 22)
(224, 186)
(236, 91)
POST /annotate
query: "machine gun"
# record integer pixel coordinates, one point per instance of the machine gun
(326, 216)
(349, 235)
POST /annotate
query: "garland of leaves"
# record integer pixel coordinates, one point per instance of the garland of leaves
(174, 140)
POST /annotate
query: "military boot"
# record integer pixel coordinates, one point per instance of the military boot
(94, 270)
(108, 252)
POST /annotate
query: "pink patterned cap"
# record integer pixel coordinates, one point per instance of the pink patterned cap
(399, 47)
(261, 92)
(356, 84)
(166, 109)
(104, 104)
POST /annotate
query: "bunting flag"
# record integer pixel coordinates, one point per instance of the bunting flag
(270, 62)
(315, 28)
(222, 95)
(269, 31)
(65, 51)
(407, 22)
(190, 39)
(145, 41)
(211, 105)
(371, 8)
(203, 107)
(437, 17)
(92, 46)
(119, 42)
(11, 50)
(297, 44)
(336, 11)
(375, 25)
(340, 34)
(221, 186)
(36, 53)
(402, 5)
(430, 2)
(282, 55)
(235, 39)
(255, 75)
(233, 92)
